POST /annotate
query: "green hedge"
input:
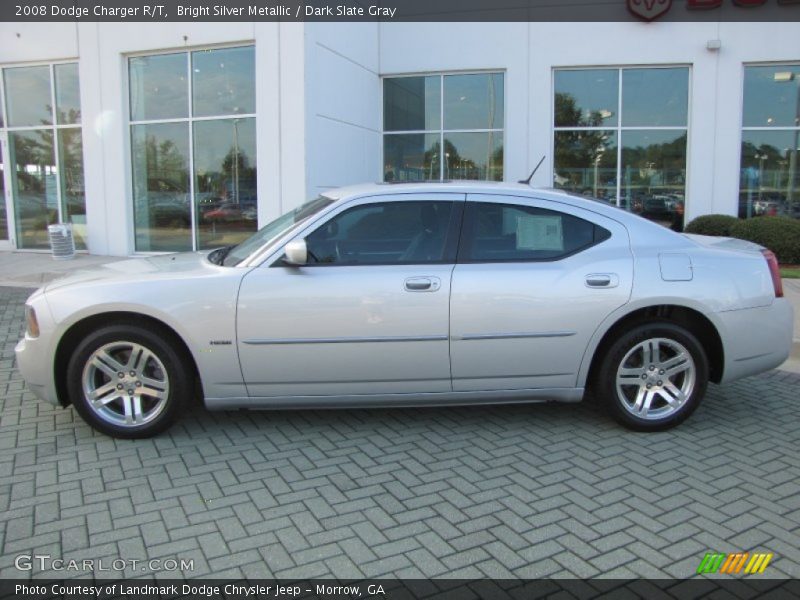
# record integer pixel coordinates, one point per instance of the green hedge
(779, 234)
(712, 225)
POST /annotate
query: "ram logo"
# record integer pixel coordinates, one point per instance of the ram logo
(734, 563)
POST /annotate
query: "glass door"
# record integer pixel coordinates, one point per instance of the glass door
(6, 212)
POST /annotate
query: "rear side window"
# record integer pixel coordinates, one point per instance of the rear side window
(514, 233)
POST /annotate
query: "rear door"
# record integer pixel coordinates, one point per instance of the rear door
(533, 281)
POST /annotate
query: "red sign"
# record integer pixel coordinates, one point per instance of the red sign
(649, 9)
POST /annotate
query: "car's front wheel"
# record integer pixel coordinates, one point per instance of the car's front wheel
(127, 381)
(653, 376)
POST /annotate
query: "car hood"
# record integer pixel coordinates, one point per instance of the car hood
(136, 269)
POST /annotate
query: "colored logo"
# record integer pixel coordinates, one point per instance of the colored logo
(735, 563)
(649, 9)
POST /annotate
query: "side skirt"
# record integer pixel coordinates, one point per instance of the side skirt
(399, 400)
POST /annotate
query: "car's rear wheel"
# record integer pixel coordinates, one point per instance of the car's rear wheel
(127, 381)
(653, 376)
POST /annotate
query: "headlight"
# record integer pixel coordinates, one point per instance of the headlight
(31, 322)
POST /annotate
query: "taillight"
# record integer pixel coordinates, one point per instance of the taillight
(775, 271)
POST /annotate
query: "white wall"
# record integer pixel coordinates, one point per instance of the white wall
(343, 105)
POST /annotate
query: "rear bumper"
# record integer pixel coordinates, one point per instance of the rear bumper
(756, 339)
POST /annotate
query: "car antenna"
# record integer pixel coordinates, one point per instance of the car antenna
(528, 180)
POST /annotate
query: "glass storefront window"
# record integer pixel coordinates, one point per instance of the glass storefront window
(655, 97)
(654, 174)
(158, 87)
(223, 82)
(586, 98)
(225, 180)
(417, 146)
(73, 193)
(587, 162)
(412, 103)
(475, 156)
(3, 215)
(45, 153)
(769, 183)
(160, 154)
(35, 181)
(473, 101)
(28, 101)
(626, 148)
(411, 157)
(194, 177)
(68, 94)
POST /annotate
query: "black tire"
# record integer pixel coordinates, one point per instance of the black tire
(622, 405)
(167, 364)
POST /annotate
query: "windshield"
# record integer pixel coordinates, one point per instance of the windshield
(236, 254)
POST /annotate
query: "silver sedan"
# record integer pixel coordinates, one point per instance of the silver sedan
(414, 295)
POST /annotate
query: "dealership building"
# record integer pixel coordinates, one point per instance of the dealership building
(179, 136)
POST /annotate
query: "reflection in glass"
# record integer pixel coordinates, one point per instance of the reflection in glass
(475, 156)
(162, 214)
(473, 101)
(68, 94)
(772, 96)
(655, 97)
(3, 215)
(28, 101)
(411, 103)
(73, 193)
(34, 185)
(586, 98)
(411, 157)
(654, 175)
(224, 81)
(159, 88)
(225, 183)
(770, 181)
(586, 162)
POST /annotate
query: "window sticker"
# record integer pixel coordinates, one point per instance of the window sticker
(540, 232)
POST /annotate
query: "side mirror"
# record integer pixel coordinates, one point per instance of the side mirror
(296, 253)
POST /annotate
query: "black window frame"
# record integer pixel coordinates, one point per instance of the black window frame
(451, 243)
(601, 234)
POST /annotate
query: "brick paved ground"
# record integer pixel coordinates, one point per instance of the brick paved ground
(543, 490)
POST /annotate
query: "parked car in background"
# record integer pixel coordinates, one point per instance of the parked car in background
(414, 295)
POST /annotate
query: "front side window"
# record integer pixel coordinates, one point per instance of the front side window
(45, 152)
(193, 148)
(439, 127)
(514, 233)
(386, 233)
(621, 135)
(770, 174)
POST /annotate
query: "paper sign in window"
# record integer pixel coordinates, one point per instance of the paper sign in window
(540, 232)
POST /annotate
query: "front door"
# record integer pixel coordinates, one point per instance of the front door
(367, 315)
(533, 282)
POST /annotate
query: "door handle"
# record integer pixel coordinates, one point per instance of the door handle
(602, 280)
(422, 284)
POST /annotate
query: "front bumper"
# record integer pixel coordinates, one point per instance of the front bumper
(756, 339)
(32, 361)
